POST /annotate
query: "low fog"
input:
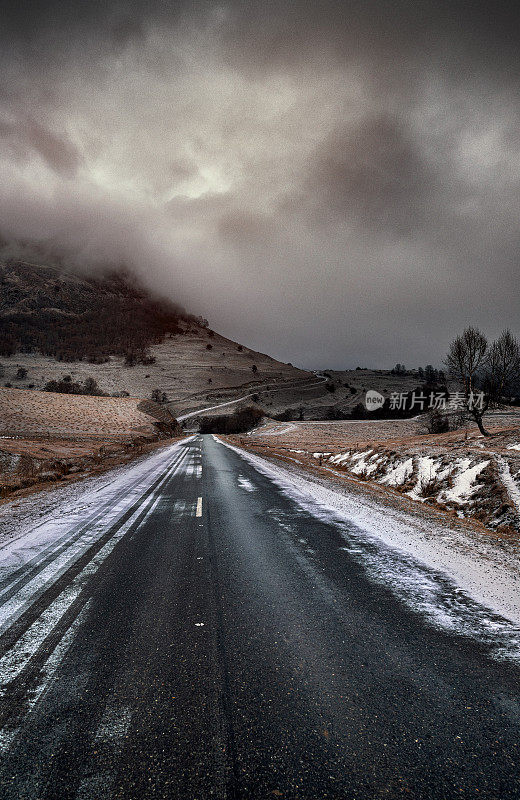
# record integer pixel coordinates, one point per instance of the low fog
(336, 184)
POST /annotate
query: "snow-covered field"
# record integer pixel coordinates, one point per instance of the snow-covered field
(459, 581)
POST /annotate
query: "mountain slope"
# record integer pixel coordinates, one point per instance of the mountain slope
(54, 323)
(73, 317)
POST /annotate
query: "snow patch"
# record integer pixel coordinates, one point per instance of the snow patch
(464, 486)
(511, 485)
(399, 474)
(246, 484)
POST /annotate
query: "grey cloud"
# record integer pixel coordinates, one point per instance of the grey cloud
(376, 172)
(26, 135)
(332, 182)
(244, 228)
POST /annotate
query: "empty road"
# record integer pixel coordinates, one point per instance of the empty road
(202, 635)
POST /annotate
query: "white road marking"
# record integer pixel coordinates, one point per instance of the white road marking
(198, 513)
(246, 484)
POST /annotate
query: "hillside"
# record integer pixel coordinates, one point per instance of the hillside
(54, 323)
(25, 413)
(73, 317)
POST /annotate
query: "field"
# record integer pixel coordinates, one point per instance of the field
(46, 437)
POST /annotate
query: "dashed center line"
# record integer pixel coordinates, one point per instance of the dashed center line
(198, 512)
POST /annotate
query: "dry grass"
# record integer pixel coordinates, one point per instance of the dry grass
(396, 442)
(46, 438)
(28, 413)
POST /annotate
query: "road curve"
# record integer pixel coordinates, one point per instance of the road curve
(259, 391)
(214, 639)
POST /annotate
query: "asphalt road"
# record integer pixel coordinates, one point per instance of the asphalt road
(228, 646)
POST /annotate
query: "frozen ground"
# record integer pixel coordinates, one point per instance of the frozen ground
(460, 472)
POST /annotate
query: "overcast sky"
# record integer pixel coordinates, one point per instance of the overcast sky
(334, 183)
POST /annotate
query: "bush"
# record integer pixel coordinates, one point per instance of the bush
(429, 487)
(288, 415)
(241, 421)
(21, 374)
(437, 422)
(334, 413)
(359, 412)
(159, 397)
(133, 357)
(67, 386)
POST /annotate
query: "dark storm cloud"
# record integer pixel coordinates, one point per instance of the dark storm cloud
(376, 172)
(333, 182)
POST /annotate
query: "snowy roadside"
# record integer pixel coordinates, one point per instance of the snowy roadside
(66, 504)
(488, 573)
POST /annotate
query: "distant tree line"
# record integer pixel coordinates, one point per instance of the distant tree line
(241, 421)
(428, 373)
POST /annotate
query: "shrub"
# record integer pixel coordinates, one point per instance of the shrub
(91, 387)
(429, 487)
(359, 412)
(437, 422)
(21, 374)
(335, 413)
(67, 386)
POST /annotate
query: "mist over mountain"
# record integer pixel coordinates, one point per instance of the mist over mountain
(335, 183)
(71, 317)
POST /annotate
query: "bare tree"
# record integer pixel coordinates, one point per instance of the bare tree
(477, 366)
(502, 366)
(466, 356)
(465, 361)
